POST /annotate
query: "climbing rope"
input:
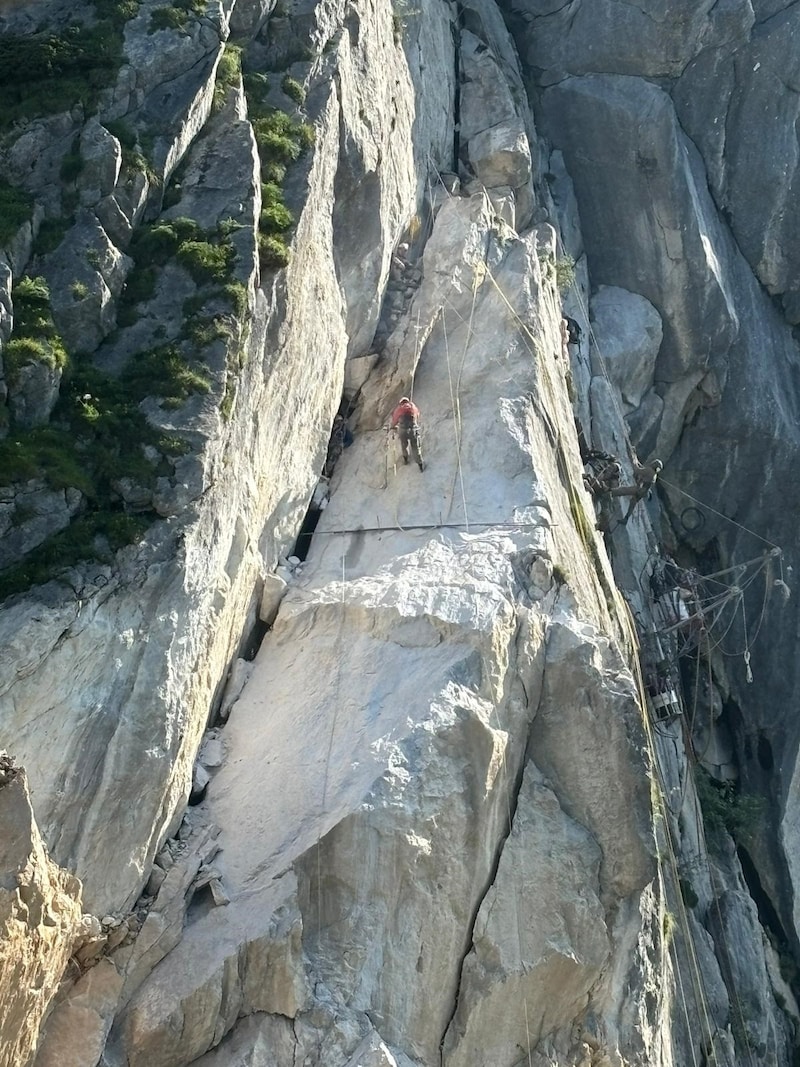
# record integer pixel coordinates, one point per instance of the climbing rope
(698, 985)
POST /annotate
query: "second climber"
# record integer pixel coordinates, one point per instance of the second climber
(644, 478)
(405, 420)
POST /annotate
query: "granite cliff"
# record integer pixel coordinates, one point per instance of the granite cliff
(356, 763)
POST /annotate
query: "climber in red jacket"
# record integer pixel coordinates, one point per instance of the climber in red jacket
(405, 420)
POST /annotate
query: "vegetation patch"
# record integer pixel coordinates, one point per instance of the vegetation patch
(46, 452)
(168, 18)
(235, 293)
(16, 208)
(175, 16)
(273, 252)
(206, 262)
(123, 132)
(163, 372)
(294, 90)
(229, 73)
(725, 808)
(565, 273)
(47, 73)
(275, 215)
(96, 534)
(155, 245)
(35, 338)
(98, 436)
(280, 142)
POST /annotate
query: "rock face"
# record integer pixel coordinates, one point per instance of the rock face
(398, 725)
(163, 675)
(712, 229)
(40, 915)
(433, 822)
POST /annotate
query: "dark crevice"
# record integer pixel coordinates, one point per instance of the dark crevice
(252, 642)
(764, 752)
(768, 917)
(457, 26)
(309, 525)
(197, 796)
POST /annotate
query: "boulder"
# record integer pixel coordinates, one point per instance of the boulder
(501, 155)
(75, 1033)
(627, 335)
(101, 154)
(29, 514)
(33, 390)
(85, 275)
(629, 160)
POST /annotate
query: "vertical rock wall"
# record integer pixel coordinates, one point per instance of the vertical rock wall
(146, 643)
(684, 158)
(40, 921)
(428, 835)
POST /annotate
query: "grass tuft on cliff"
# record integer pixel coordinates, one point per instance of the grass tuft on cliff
(280, 142)
(35, 338)
(47, 73)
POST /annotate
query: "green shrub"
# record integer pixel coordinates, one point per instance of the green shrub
(565, 273)
(45, 452)
(236, 295)
(275, 218)
(206, 262)
(256, 86)
(79, 290)
(159, 243)
(16, 208)
(306, 134)
(273, 171)
(277, 145)
(163, 372)
(31, 298)
(46, 73)
(22, 351)
(140, 286)
(272, 252)
(229, 68)
(724, 808)
(35, 338)
(116, 11)
(225, 227)
(294, 90)
(204, 332)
